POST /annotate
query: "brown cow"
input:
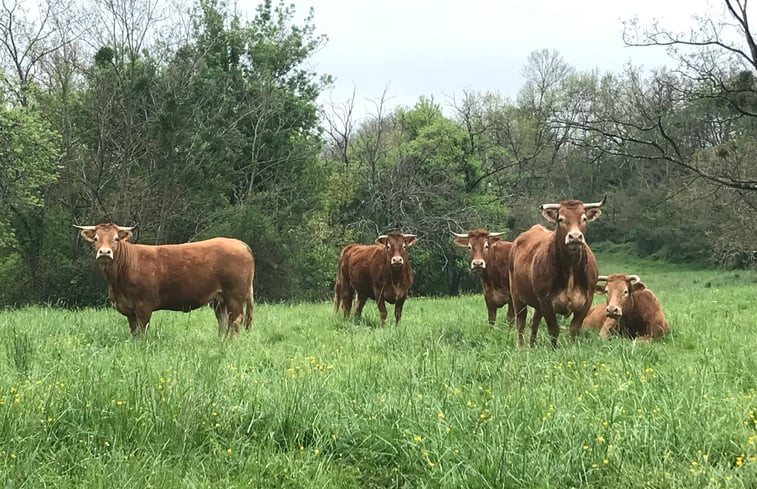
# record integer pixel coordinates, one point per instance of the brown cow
(181, 277)
(632, 310)
(488, 257)
(554, 272)
(380, 271)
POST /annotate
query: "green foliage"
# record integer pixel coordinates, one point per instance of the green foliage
(306, 399)
(219, 133)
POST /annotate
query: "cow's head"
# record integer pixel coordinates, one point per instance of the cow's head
(479, 242)
(396, 245)
(107, 239)
(571, 217)
(619, 289)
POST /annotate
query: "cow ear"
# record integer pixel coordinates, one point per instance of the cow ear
(638, 286)
(381, 240)
(88, 234)
(461, 242)
(550, 215)
(593, 213)
(409, 241)
(124, 234)
(494, 239)
(599, 289)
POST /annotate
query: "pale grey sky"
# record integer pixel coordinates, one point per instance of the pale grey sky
(443, 47)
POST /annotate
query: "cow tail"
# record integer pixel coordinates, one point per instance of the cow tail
(338, 283)
(248, 308)
(250, 297)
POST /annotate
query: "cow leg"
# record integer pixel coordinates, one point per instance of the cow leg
(607, 328)
(492, 310)
(552, 325)
(510, 312)
(520, 318)
(347, 296)
(134, 325)
(398, 310)
(575, 325)
(382, 310)
(535, 320)
(139, 322)
(235, 310)
(222, 315)
(360, 304)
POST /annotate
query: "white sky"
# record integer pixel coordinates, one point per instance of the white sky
(442, 47)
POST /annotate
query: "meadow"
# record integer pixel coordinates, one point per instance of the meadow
(307, 400)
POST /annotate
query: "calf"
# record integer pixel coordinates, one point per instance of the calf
(179, 277)
(488, 257)
(380, 271)
(632, 310)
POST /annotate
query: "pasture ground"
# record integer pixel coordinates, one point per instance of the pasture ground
(308, 400)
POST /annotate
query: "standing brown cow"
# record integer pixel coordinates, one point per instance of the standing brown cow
(632, 310)
(380, 271)
(144, 278)
(488, 257)
(554, 272)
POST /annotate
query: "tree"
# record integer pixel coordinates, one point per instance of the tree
(715, 78)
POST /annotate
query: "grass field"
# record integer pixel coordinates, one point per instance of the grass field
(307, 400)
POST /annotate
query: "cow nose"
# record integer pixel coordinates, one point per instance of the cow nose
(397, 260)
(105, 252)
(474, 264)
(613, 311)
(574, 237)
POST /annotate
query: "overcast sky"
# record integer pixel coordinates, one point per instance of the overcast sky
(443, 47)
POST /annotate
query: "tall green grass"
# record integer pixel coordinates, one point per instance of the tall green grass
(306, 399)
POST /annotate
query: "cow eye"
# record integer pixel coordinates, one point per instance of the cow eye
(96, 238)
(404, 246)
(560, 219)
(470, 247)
(116, 238)
(625, 292)
(583, 218)
(607, 291)
(486, 246)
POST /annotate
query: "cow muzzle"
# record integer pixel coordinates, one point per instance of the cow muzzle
(614, 312)
(397, 261)
(104, 253)
(574, 238)
(478, 265)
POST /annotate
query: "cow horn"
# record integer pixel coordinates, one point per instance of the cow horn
(634, 278)
(457, 235)
(496, 235)
(602, 278)
(383, 236)
(126, 228)
(408, 236)
(596, 204)
(549, 206)
(87, 228)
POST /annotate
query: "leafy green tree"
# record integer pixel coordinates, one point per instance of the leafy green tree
(28, 163)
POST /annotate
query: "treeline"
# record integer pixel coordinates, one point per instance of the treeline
(203, 123)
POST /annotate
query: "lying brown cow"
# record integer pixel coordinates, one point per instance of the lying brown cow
(554, 272)
(631, 310)
(488, 257)
(380, 271)
(143, 278)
